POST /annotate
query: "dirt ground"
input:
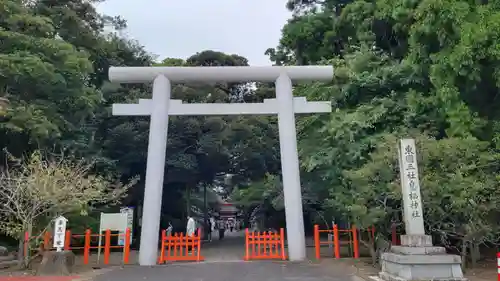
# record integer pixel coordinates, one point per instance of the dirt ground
(79, 269)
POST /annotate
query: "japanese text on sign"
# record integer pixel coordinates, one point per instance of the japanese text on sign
(130, 223)
(411, 185)
(59, 233)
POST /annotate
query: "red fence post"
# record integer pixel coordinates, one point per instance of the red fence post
(282, 241)
(46, 240)
(67, 240)
(86, 248)
(182, 246)
(336, 245)
(107, 246)
(317, 241)
(198, 256)
(247, 251)
(126, 246)
(355, 241)
(267, 237)
(176, 238)
(161, 259)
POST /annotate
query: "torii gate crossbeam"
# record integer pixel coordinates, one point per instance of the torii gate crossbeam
(177, 107)
(161, 106)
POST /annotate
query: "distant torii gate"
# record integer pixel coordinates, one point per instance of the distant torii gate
(161, 106)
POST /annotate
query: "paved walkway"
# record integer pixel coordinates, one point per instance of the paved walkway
(229, 249)
(224, 262)
(225, 271)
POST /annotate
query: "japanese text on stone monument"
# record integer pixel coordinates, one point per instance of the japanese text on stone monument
(411, 187)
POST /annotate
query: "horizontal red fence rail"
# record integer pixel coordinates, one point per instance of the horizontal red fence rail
(87, 243)
(336, 242)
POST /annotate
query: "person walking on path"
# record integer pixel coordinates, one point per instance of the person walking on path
(169, 229)
(209, 230)
(222, 229)
(191, 226)
(190, 229)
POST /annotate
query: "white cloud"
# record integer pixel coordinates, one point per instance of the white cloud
(170, 28)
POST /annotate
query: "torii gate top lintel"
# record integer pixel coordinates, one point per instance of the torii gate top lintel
(220, 73)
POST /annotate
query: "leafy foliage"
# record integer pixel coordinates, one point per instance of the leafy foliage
(421, 69)
(34, 190)
(55, 94)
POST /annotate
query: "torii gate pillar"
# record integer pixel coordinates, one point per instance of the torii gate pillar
(285, 106)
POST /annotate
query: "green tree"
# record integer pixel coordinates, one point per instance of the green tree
(425, 69)
(37, 189)
(45, 80)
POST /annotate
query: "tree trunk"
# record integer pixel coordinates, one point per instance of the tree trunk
(370, 245)
(30, 234)
(23, 254)
(324, 220)
(206, 225)
(350, 245)
(20, 250)
(475, 253)
(463, 254)
(188, 199)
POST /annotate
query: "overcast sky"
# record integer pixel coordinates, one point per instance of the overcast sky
(173, 28)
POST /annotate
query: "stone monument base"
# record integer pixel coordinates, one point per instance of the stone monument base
(418, 260)
(56, 263)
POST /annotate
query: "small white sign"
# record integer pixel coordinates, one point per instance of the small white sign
(59, 233)
(130, 223)
(112, 222)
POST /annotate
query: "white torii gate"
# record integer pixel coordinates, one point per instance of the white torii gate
(161, 106)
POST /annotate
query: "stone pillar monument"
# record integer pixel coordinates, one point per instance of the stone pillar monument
(416, 258)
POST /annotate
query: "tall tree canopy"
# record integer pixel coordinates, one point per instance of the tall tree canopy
(426, 69)
(55, 92)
